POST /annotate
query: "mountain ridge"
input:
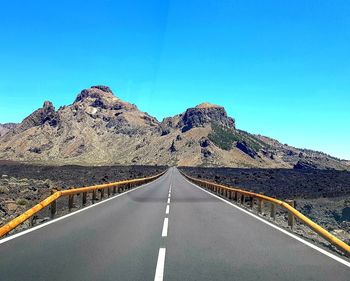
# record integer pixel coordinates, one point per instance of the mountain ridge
(99, 128)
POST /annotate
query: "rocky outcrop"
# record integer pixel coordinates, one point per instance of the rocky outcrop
(306, 164)
(204, 142)
(205, 114)
(102, 97)
(206, 152)
(242, 145)
(172, 147)
(44, 115)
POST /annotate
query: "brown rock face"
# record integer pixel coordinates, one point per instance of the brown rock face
(44, 115)
(201, 116)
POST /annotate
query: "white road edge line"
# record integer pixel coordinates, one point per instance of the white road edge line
(168, 202)
(328, 254)
(167, 209)
(165, 227)
(160, 265)
(70, 214)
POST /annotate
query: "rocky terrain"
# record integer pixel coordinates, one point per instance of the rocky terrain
(100, 129)
(4, 128)
(23, 186)
(322, 195)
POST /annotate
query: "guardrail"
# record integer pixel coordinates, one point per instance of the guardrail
(114, 187)
(240, 195)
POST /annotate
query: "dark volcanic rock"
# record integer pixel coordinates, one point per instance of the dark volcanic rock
(282, 183)
(164, 130)
(242, 145)
(172, 147)
(306, 164)
(204, 142)
(206, 152)
(99, 103)
(35, 150)
(302, 165)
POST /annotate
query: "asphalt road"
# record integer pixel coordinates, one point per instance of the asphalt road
(166, 230)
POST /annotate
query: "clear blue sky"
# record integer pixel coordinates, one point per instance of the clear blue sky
(281, 68)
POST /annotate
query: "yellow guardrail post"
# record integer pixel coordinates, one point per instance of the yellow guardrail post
(53, 206)
(94, 196)
(251, 202)
(235, 196)
(84, 199)
(70, 202)
(260, 206)
(273, 211)
(290, 215)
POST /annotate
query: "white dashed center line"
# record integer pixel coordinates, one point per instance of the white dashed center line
(165, 228)
(160, 265)
(167, 209)
(161, 256)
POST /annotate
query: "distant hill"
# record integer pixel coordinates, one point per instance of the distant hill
(99, 128)
(4, 128)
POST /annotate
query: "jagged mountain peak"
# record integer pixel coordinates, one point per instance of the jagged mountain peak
(48, 105)
(95, 92)
(102, 97)
(45, 115)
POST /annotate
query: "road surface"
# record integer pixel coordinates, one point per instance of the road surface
(166, 230)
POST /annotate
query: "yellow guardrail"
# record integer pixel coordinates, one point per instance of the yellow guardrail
(240, 194)
(51, 200)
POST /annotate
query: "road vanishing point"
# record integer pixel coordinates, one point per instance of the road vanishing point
(169, 229)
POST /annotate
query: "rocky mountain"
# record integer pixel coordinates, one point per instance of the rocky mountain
(99, 128)
(4, 128)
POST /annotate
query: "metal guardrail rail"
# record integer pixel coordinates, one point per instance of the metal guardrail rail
(117, 187)
(237, 195)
